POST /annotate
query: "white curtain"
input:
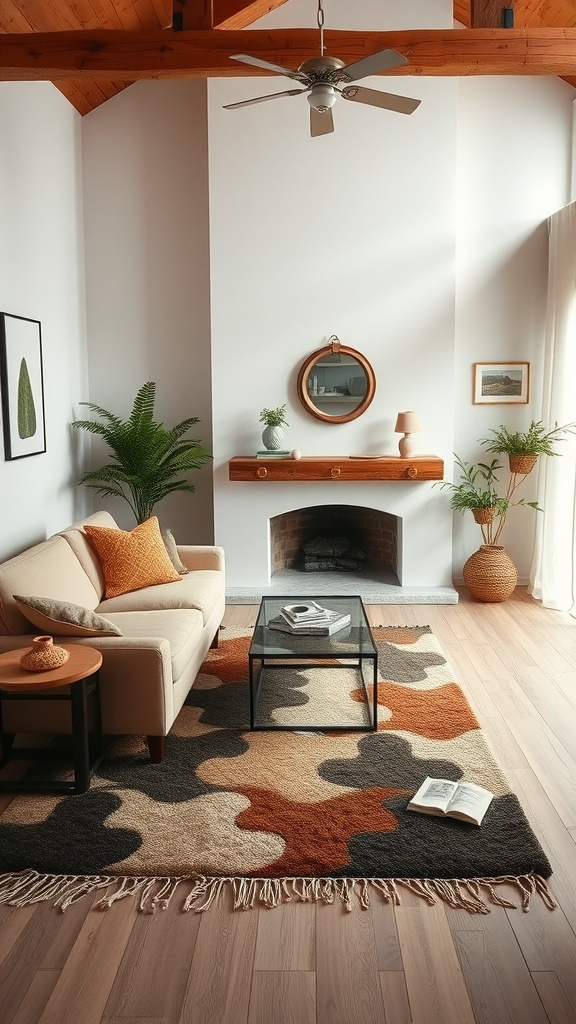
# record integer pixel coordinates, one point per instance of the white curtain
(553, 573)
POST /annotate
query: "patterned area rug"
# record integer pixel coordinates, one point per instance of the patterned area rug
(285, 815)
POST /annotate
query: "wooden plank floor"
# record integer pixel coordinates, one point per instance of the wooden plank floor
(305, 964)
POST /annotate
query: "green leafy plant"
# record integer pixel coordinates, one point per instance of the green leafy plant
(477, 492)
(274, 417)
(535, 441)
(149, 461)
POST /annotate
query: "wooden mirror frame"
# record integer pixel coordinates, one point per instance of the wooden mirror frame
(334, 347)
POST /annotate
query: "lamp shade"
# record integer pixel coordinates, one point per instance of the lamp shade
(407, 423)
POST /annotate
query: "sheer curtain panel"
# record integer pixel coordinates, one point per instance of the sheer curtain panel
(553, 573)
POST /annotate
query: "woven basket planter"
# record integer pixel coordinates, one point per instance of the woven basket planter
(522, 464)
(483, 515)
(489, 574)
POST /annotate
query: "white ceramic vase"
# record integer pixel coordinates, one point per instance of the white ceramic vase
(273, 438)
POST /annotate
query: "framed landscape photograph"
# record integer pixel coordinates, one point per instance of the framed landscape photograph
(22, 386)
(501, 383)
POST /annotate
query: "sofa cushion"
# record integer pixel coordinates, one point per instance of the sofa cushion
(200, 589)
(182, 628)
(49, 569)
(62, 618)
(84, 551)
(132, 559)
(170, 545)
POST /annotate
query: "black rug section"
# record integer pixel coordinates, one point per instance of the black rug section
(447, 848)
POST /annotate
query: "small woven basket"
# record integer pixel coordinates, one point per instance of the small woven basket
(483, 515)
(522, 464)
(44, 655)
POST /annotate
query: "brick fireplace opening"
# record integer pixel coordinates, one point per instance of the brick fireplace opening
(369, 530)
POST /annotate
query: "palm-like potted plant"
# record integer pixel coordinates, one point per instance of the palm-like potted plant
(149, 461)
(523, 448)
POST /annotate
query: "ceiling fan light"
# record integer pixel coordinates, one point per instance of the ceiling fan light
(322, 97)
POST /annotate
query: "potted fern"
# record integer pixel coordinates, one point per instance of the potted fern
(477, 492)
(149, 461)
(523, 448)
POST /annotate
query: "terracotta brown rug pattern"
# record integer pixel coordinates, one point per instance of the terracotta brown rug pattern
(285, 814)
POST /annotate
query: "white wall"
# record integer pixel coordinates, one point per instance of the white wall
(514, 154)
(146, 214)
(42, 277)
(350, 234)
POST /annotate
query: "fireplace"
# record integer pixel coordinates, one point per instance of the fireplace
(404, 525)
(368, 530)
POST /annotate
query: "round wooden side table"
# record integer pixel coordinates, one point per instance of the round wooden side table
(80, 675)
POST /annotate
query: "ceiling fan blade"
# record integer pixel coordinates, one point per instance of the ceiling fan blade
(383, 60)
(245, 58)
(262, 99)
(387, 100)
(321, 122)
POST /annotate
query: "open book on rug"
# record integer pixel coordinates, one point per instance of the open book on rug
(463, 800)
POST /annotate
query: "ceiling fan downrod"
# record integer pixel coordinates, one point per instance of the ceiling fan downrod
(320, 23)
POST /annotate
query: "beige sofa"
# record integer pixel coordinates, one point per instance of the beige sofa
(167, 631)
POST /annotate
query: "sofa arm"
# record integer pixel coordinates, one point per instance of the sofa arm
(136, 687)
(202, 556)
(13, 643)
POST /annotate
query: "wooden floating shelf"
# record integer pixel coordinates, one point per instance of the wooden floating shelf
(335, 467)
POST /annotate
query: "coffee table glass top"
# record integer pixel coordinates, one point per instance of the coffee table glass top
(354, 640)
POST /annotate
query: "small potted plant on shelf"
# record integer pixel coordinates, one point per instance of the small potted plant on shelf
(523, 449)
(273, 434)
(489, 574)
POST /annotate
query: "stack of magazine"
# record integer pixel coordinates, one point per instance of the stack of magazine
(308, 619)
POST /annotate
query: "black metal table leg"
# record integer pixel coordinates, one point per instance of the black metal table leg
(87, 749)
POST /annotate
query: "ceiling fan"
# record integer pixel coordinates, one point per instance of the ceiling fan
(325, 78)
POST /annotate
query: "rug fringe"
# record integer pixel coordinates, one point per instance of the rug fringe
(475, 895)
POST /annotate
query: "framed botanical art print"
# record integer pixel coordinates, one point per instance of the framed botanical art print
(501, 383)
(22, 386)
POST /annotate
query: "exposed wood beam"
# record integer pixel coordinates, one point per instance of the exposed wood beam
(194, 14)
(225, 14)
(461, 12)
(236, 14)
(488, 13)
(132, 56)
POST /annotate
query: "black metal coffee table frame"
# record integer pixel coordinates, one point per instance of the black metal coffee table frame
(272, 650)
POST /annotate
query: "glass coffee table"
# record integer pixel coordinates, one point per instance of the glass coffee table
(272, 652)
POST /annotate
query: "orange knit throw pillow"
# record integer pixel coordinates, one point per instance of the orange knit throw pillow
(132, 559)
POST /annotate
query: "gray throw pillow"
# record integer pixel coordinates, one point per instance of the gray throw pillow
(61, 618)
(170, 545)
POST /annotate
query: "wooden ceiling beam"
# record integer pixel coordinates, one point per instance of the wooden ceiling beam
(225, 14)
(488, 13)
(461, 12)
(131, 56)
(194, 14)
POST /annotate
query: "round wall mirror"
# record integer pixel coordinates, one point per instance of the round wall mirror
(336, 383)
